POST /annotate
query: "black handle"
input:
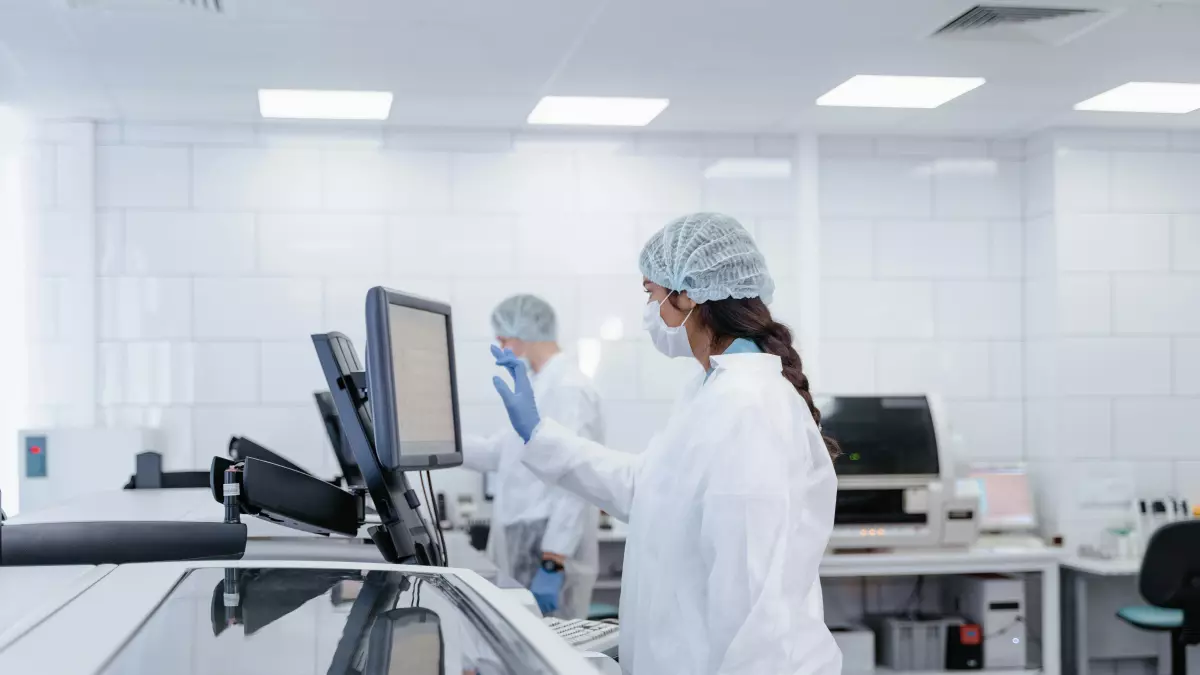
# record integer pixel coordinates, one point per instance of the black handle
(114, 543)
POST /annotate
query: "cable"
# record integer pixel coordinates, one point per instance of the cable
(427, 486)
(999, 631)
(913, 606)
(430, 508)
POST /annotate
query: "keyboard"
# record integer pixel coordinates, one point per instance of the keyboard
(584, 635)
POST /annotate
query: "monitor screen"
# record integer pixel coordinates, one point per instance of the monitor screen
(410, 376)
(1005, 497)
(421, 380)
(881, 435)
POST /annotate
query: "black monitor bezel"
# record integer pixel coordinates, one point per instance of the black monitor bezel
(342, 452)
(381, 379)
(408, 535)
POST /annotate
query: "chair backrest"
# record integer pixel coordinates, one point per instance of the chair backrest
(1170, 575)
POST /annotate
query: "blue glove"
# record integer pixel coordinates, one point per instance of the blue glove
(545, 588)
(522, 410)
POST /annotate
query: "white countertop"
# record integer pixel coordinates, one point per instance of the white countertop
(1115, 567)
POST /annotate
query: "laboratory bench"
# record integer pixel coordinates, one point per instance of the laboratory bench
(1037, 563)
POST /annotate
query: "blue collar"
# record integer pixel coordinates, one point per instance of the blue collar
(739, 346)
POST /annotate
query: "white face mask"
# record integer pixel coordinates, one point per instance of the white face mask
(672, 342)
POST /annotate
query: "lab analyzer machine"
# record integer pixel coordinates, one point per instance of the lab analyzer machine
(896, 488)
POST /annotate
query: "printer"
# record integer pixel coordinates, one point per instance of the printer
(895, 488)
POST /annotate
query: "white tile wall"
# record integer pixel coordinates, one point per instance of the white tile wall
(368, 180)
(246, 308)
(846, 248)
(146, 177)
(877, 309)
(219, 249)
(875, 188)
(977, 309)
(452, 246)
(241, 178)
(1185, 243)
(184, 243)
(628, 184)
(937, 249)
(956, 369)
(290, 372)
(318, 245)
(1155, 182)
(1186, 353)
(133, 308)
(977, 188)
(1084, 304)
(1127, 212)
(1157, 427)
(1114, 243)
(1153, 304)
(1114, 366)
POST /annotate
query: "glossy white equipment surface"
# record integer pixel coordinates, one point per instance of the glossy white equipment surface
(28, 594)
(115, 607)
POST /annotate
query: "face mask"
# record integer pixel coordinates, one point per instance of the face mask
(671, 342)
(528, 365)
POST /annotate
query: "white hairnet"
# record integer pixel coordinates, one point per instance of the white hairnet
(709, 255)
(525, 317)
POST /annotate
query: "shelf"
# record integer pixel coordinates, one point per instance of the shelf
(881, 670)
(607, 585)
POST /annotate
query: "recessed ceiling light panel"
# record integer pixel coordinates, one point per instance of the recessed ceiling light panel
(898, 91)
(316, 104)
(1146, 97)
(606, 111)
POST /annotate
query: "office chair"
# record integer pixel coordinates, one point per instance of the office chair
(1170, 581)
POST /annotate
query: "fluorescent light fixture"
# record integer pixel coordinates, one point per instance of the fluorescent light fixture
(314, 104)
(749, 167)
(597, 111)
(898, 91)
(1146, 97)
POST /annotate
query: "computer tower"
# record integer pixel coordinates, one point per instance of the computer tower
(996, 603)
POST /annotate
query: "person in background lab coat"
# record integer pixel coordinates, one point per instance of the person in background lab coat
(542, 536)
(731, 506)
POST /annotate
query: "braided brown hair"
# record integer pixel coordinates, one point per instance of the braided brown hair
(749, 318)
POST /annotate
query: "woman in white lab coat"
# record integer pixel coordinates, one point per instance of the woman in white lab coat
(731, 506)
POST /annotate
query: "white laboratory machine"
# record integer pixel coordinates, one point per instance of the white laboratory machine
(59, 464)
(227, 618)
(896, 489)
(996, 603)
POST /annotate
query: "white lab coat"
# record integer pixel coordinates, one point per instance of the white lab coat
(524, 505)
(730, 509)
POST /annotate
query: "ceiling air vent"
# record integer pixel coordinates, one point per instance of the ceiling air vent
(1023, 23)
(213, 6)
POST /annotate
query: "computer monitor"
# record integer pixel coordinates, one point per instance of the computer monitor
(404, 535)
(1005, 497)
(341, 447)
(411, 379)
(882, 435)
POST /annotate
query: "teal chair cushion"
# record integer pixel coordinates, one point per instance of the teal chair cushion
(1151, 618)
(600, 610)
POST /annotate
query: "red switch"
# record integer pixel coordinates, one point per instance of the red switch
(36, 450)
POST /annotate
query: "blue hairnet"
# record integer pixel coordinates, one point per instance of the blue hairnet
(709, 255)
(525, 317)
